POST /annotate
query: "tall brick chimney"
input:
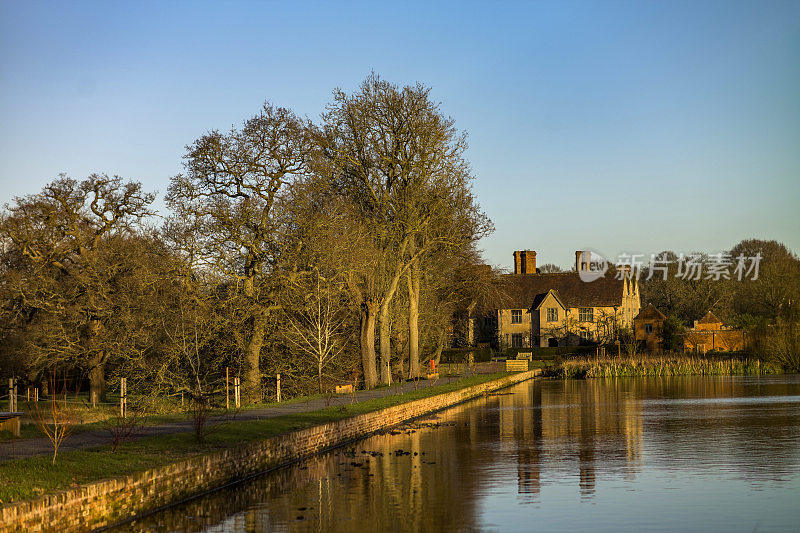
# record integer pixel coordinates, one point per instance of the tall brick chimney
(584, 258)
(525, 262)
(579, 264)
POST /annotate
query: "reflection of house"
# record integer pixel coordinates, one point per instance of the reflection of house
(709, 334)
(557, 309)
(647, 326)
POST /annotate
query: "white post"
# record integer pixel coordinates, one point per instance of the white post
(12, 394)
(389, 372)
(123, 397)
(278, 381)
(236, 393)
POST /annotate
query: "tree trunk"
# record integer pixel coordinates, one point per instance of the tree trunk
(439, 347)
(386, 342)
(400, 350)
(97, 380)
(385, 331)
(413, 319)
(252, 376)
(368, 345)
(319, 374)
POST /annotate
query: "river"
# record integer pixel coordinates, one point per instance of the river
(632, 454)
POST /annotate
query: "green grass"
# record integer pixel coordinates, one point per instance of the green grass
(31, 477)
(674, 365)
(30, 430)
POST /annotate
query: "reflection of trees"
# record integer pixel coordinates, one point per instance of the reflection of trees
(529, 450)
(588, 430)
(593, 422)
(424, 492)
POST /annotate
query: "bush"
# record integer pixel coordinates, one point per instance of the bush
(782, 344)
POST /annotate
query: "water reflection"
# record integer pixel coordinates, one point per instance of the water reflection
(654, 453)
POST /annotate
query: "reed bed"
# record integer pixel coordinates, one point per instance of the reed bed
(666, 365)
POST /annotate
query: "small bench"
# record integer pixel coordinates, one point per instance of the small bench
(516, 365)
(10, 421)
(344, 389)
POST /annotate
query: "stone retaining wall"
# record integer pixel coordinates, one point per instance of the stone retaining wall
(106, 502)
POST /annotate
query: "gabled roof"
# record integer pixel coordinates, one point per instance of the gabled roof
(523, 291)
(540, 298)
(710, 318)
(650, 312)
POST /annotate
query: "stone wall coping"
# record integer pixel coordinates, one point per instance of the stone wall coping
(108, 501)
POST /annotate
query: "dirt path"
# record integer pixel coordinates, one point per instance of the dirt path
(19, 448)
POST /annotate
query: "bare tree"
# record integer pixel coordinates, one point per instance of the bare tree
(399, 161)
(123, 428)
(57, 420)
(232, 190)
(72, 275)
(550, 268)
(316, 324)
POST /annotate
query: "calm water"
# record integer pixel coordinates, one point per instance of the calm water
(655, 454)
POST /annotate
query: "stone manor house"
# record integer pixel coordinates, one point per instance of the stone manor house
(555, 309)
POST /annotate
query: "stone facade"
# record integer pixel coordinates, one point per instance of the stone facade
(710, 335)
(107, 502)
(648, 327)
(556, 309)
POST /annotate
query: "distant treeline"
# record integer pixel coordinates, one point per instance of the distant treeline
(764, 300)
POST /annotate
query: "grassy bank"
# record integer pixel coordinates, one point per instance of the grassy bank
(162, 411)
(675, 365)
(27, 478)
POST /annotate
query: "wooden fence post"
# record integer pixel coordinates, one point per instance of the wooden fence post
(278, 381)
(237, 392)
(227, 393)
(36, 394)
(123, 397)
(12, 394)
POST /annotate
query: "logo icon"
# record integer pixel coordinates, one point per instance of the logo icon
(591, 265)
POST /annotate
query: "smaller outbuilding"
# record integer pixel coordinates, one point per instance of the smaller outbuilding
(709, 334)
(647, 327)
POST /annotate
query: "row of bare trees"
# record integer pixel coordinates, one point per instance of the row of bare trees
(289, 246)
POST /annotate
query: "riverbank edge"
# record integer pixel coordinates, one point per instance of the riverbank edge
(661, 366)
(103, 503)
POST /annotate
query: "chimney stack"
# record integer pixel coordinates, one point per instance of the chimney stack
(525, 262)
(582, 260)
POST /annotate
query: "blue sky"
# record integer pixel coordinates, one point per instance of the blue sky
(619, 126)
